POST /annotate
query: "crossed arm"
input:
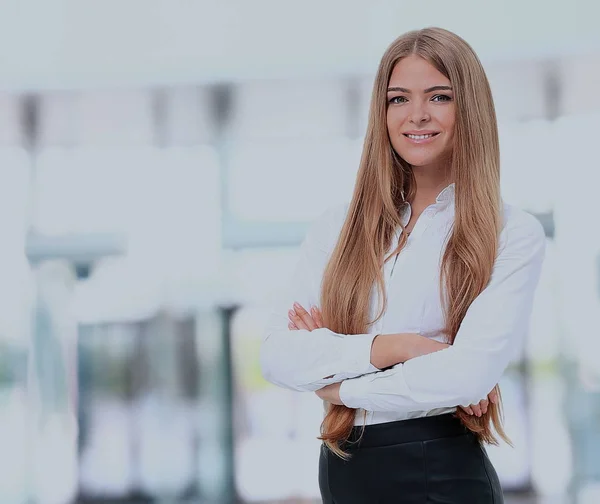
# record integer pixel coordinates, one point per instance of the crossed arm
(354, 365)
(386, 350)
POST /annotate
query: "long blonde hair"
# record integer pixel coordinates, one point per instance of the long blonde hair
(385, 181)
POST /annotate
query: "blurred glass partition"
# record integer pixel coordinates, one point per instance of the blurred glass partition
(14, 418)
(154, 409)
(276, 430)
(52, 385)
(106, 425)
(135, 410)
(578, 275)
(582, 405)
(17, 298)
(215, 420)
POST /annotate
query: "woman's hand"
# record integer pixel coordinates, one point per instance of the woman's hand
(301, 319)
(481, 407)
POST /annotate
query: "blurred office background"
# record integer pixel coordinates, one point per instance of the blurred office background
(159, 164)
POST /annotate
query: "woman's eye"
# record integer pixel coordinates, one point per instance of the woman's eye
(443, 97)
(397, 99)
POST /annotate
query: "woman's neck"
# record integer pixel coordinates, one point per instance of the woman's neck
(427, 192)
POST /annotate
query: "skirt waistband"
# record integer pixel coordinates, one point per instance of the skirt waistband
(406, 431)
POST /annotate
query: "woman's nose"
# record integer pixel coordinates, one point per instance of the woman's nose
(419, 114)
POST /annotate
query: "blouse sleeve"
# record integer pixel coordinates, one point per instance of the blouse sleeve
(309, 360)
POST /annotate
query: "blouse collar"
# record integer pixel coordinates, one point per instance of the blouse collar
(446, 194)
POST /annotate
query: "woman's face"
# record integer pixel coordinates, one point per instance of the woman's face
(420, 102)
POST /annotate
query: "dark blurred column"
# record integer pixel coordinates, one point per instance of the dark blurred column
(216, 461)
(216, 478)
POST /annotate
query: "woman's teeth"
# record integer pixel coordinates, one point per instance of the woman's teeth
(421, 137)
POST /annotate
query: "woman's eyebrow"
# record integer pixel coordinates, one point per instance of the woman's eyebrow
(428, 90)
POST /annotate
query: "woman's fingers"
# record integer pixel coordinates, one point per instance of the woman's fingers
(493, 395)
(301, 318)
(478, 409)
(305, 316)
(317, 316)
(467, 409)
(296, 320)
(483, 405)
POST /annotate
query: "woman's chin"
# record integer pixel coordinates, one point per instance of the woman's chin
(423, 160)
(417, 162)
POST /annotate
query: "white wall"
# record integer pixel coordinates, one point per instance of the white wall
(74, 43)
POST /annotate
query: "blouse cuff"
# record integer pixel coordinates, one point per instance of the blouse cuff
(359, 392)
(352, 393)
(356, 358)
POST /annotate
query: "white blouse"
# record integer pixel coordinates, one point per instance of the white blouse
(489, 337)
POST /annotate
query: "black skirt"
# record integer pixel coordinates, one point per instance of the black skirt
(418, 461)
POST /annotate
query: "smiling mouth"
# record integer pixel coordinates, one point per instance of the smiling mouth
(420, 137)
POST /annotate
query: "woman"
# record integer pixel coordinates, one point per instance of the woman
(424, 283)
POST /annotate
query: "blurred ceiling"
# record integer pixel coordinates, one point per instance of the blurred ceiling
(65, 44)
